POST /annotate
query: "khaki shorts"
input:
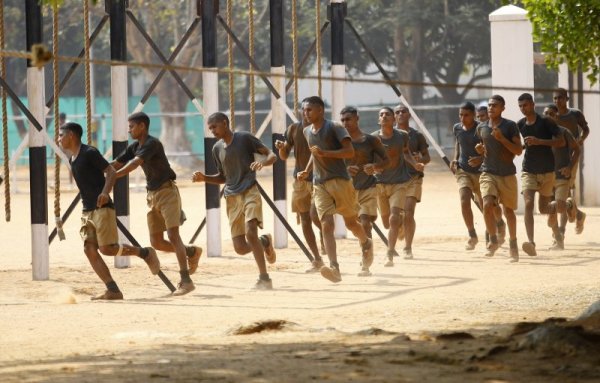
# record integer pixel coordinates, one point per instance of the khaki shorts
(469, 181)
(561, 189)
(542, 183)
(414, 188)
(99, 226)
(504, 188)
(242, 208)
(335, 196)
(301, 196)
(367, 201)
(389, 196)
(165, 208)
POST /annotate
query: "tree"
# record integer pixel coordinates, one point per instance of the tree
(566, 31)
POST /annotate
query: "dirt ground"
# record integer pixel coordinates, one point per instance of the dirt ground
(448, 315)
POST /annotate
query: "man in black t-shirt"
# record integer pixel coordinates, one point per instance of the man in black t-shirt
(237, 167)
(540, 134)
(163, 198)
(95, 178)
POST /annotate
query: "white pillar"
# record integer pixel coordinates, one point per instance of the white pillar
(512, 63)
(337, 104)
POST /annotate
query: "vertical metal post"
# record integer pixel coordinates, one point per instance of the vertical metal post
(210, 86)
(37, 149)
(118, 86)
(278, 121)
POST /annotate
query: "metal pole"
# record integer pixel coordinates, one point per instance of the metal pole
(37, 149)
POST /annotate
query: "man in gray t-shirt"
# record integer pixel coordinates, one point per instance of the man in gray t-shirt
(333, 192)
(236, 168)
(501, 142)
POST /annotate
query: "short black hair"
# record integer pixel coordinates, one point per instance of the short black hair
(482, 108)
(349, 109)
(400, 106)
(553, 107)
(387, 108)
(314, 100)
(218, 117)
(525, 97)
(468, 106)
(140, 117)
(62, 116)
(498, 98)
(73, 127)
(562, 92)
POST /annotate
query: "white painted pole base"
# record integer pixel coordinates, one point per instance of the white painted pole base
(213, 233)
(123, 262)
(280, 232)
(40, 257)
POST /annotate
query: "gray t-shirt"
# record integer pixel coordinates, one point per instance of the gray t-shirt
(397, 170)
(365, 152)
(294, 135)
(562, 155)
(573, 120)
(467, 139)
(498, 160)
(329, 137)
(416, 144)
(233, 161)
(156, 167)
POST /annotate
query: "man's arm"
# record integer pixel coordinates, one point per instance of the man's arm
(454, 162)
(303, 174)
(216, 179)
(585, 129)
(347, 150)
(109, 183)
(127, 168)
(271, 158)
(514, 145)
(410, 159)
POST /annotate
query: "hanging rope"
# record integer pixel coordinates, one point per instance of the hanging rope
(88, 97)
(55, 80)
(295, 55)
(318, 47)
(230, 64)
(4, 121)
(251, 77)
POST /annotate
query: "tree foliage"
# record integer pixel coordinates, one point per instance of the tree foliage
(568, 32)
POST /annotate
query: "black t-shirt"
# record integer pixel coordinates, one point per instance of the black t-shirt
(498, 160)
(233, 161)
(364, 153)
(156, 167)
(573, 120)
(562, 155)
(467, 139)
(397, 170)
(88, 171)
(538, 159)
(294, 135)
(328, 137)
(416, 144)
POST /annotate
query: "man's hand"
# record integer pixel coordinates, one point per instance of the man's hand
(102, 200)
(419, 166)
(531, 141)
(369, 169)
(480, 149)
(475, 162)
(566, 171)
(353, 170)
(453, 166)
(497, 134)
(302, 175)
(316, 151)
(256, 166)
(198, 177)
(279, 144)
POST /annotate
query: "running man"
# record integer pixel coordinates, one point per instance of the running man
(540, 134)
(482, 114)
(333, 192)
(465, 167)
(163, 198)
(302, 203)
(574, 121)
(565, 166)
(95, 178)
(419, 148)
(236, 168)
(369, 155)
(393, 180)
(501, 142)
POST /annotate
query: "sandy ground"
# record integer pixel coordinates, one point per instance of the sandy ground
(381, 328)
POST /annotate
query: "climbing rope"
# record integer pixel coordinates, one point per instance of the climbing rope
(88, 97)
(4, 121)
(318, 41)
(251, 77)
(230, 64)
(295, 55)
(55, 80)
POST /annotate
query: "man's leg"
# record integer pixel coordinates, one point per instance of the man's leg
(186, 285)
(409, 225)
(148, 254)
(466, 195)
(256, 246)
(511, 221)
(529, 198)
(99, 266)
(311, 240)
(314, 217)
(490, 206)
(333, 271)
(395, 221)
